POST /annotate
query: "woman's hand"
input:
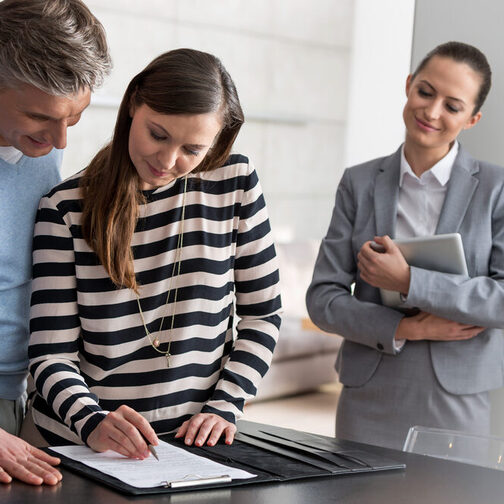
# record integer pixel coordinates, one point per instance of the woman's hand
(123, 431)
(425, 326)
(205, 426)
(22, 461)
(387, 269)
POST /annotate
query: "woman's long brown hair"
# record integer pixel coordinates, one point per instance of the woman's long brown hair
(183, 81)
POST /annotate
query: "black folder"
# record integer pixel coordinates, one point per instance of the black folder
(274, 454)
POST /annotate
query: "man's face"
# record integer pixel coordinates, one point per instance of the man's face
(34, 122)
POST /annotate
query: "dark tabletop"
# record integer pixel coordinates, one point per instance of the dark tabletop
(425, 480)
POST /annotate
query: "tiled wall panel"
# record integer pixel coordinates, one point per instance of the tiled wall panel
(290, 60)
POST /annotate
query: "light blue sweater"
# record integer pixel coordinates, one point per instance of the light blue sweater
(21, 187)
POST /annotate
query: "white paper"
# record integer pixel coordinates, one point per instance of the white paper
(174, 464)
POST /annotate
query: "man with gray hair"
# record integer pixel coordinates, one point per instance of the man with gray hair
(53, 53)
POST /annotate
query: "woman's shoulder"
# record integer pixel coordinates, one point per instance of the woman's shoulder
(236, 159)
(236, 167)
(377, 164)
(65, 195)
(362, 176)
(483, 169)
(65, 187)
(492, 170)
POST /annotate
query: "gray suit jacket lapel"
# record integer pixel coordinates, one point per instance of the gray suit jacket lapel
(461, 187)
(386, 193)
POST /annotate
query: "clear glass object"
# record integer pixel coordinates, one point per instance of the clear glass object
(486, 451)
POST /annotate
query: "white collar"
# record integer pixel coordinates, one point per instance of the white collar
(441, 170)
(10, 154)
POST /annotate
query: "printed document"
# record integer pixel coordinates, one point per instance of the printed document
(175, 464)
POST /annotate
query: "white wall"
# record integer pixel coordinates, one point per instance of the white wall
(290, 63)
(380, 64)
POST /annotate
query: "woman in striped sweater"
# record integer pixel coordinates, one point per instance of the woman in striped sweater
(141, 263)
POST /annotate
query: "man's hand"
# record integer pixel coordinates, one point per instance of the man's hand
(20, 460)
(123, 431)
(205, 426)
(387, 269)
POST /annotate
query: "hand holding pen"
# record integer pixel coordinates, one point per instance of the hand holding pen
(150, 447)
(126, 432)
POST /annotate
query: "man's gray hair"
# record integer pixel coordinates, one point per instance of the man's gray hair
(57, 46)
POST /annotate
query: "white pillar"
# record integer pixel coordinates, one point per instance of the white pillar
(380, 64)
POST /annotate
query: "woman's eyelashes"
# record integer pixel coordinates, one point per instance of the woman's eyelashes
(451, 108)
(157, 137)
(427, 94)
(162, 138)
(192, 152)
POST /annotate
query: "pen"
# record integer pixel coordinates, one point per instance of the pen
(151, 448)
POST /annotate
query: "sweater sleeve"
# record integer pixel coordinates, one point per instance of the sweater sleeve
(55, 325)
(258, 306)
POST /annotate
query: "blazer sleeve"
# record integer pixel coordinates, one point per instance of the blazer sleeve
(329, 299)
(478, 300)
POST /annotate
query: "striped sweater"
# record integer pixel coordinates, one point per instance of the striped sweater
(89, 353)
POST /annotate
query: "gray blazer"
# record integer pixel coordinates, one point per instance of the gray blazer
(366, 205)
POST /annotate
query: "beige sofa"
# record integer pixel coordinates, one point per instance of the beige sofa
(304, 356)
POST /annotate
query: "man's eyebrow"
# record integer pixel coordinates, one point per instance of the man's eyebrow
(434, 89)
(38, 115)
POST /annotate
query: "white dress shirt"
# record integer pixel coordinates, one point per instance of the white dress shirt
(421, 200)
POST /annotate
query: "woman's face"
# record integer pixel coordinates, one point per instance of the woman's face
(164, 147)
(440, 103)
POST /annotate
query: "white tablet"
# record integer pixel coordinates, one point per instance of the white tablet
(443, 252)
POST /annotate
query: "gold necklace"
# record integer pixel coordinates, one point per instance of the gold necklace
(176, 268)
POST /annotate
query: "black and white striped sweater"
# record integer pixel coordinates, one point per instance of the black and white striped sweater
(89, 353)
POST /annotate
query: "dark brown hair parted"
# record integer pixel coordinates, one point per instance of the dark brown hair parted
(468, 54)
(183, 81)
(58, 46)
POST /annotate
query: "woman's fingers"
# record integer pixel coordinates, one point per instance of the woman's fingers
(206, 427)
(119, 430)
(183, 429)
(193, 427)
(209, 425)
(144, 428)
(123, 431)
(230, 433)
(432, 327)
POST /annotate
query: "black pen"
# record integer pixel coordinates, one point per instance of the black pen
(151, 448)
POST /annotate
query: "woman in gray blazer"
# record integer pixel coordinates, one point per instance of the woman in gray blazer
(434, 368)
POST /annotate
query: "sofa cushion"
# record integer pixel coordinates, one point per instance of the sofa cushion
(296, 340)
